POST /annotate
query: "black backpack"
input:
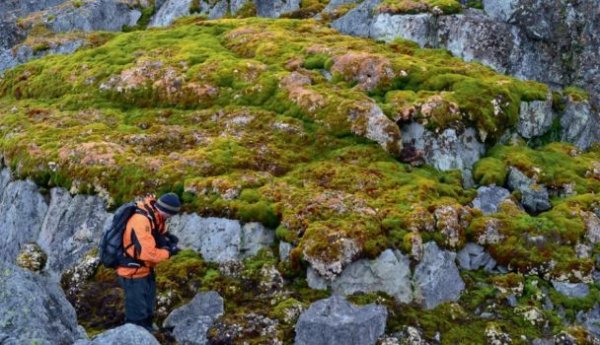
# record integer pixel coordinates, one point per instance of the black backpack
(112, 253)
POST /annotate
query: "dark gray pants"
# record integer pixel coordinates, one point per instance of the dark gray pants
(140, 297)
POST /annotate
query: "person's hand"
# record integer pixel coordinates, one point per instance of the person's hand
(173, 250)
(172, 238)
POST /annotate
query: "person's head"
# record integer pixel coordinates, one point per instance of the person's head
(168, 205)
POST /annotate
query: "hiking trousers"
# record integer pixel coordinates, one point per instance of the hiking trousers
(140, 297)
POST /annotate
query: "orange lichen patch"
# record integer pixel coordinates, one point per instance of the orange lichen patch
(368, 70)
(92, 153)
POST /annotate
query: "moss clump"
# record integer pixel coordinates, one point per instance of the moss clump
(488, 171)
(576, 94)
(419, 6)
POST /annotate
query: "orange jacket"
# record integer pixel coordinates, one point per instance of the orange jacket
(145, 248)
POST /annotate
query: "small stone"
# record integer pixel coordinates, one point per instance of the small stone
(489, 199)
(190, 323)
(572, 290)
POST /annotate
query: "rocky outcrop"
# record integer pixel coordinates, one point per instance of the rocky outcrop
(72, 227)
(389, 273)
(23, 53)
(126, 334)
(171, 10)
(98, 15)
(218, 239)
(446, 151)
(489, 199)
(34, 309)
(436, 277)
(334, 321)
(191, 322)
(23, 209)
(551, 42)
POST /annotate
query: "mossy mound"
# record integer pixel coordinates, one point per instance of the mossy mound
(256, 119)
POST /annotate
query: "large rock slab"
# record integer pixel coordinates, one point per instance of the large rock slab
(72, 227)
(24, 53)
(22, 208)
(34, 309)
(389, 273)
(126, 334)
(219, 239)
(436, 277)
(334, 321)
(190, 323)
(255, 237)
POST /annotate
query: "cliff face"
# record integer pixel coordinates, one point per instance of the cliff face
(411, 162)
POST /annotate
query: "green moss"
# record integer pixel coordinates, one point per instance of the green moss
(490, 171)
(576, 94)
(418, 6)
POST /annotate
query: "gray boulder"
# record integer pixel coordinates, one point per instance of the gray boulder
(534, 197)
(446, 151)
(34, 309)
(275, 8)
(219, 239)
(436, 277)
(389, 273)
(535, 118)
(334, 321)
(191, 322)
(20, 8)
(72, 227)
(23, 209)
(489, 198)
(474, 257)
(572, 290)
(254, 238)
(126, 334)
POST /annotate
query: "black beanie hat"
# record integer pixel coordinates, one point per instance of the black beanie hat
(169, 203)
